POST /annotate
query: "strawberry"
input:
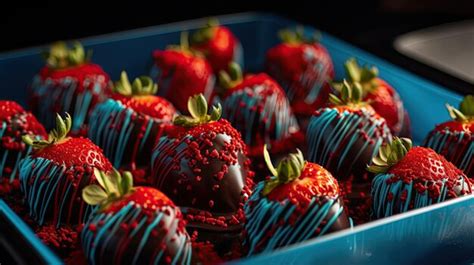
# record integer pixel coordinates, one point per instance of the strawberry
(455, 139)
(258, 108)
(410, 178)
(380, 95)
(181, 72)
(132, 225)
(343, 138)
(14, 123)
(129, 125)
(202, 166)
(218, 44)
(53, 175)
(68, 83)
(303, 67)
(301, 201)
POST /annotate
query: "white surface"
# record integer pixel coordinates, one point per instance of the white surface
(449, 47)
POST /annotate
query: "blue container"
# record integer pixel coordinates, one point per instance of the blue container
(440, 234)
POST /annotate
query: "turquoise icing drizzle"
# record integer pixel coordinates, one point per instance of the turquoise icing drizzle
(459, 152)
(111, 125)
(50, 195)
(96, 244)
(264, 215)
(324, 140)
(65, 94)
(275, 120)
(5, 154)
(383, 188)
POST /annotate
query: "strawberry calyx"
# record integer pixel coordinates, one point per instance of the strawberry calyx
(56, 135)
(198, 108)
(141, 86)
(465, 113)
(206, 33)
(288, 170)
(61, 56)
(350, 95)
(299, 35)
(390, 154)
(232, 77)
(364, 75)
(184, 46)
(112, 187)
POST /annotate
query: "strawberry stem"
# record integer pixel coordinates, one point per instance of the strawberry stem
(465, 113)
(112, 187)
(288, 169)
(389, 155)
(232, 77)
(63, 126)
(142, 85)
(350, 94)
(298, 35)
(60, 56)
(198, 108)
(206, 33)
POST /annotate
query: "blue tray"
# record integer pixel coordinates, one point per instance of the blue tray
(442, 233)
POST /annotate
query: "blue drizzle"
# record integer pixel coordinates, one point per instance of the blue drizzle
(110, 127)
(452, 141)
(106, 236)
(263, 215)
(323, 139)
(382, 187)
(64, 93)
(275, 122)
(49, 193)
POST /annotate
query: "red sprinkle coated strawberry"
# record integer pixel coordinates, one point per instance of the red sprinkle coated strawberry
(218, 44)
(124, 211)
(409, 178)
(303, 67)
(455, 139)
(202, 166)
(381, 96)
(300, 201)
(55, 173)
(181, 73)
(68, 83)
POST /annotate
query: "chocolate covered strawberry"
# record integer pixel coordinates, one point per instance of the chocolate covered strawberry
(383, 98)
(14, 123)
(410, 178)
(300, 201)
(56, 171)
(218, 44)
(455, 139)
(201, 165)
(303, 67)
(258, 108)
(69, 82)
(132, 225)
(129, 124)
(343, 138)
(181, 73)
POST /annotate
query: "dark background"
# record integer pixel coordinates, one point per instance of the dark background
(371, 25)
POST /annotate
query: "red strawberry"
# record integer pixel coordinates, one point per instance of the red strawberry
(381, 96)
(258, 108)
(218, 44)
(409, 178)
(68, 83)
(303, 66)
(455, 139)
(129, 125)
(14, 123)
(108, 237)
(181, 73)
(301, 201)
(202, 166)
(55, 173)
